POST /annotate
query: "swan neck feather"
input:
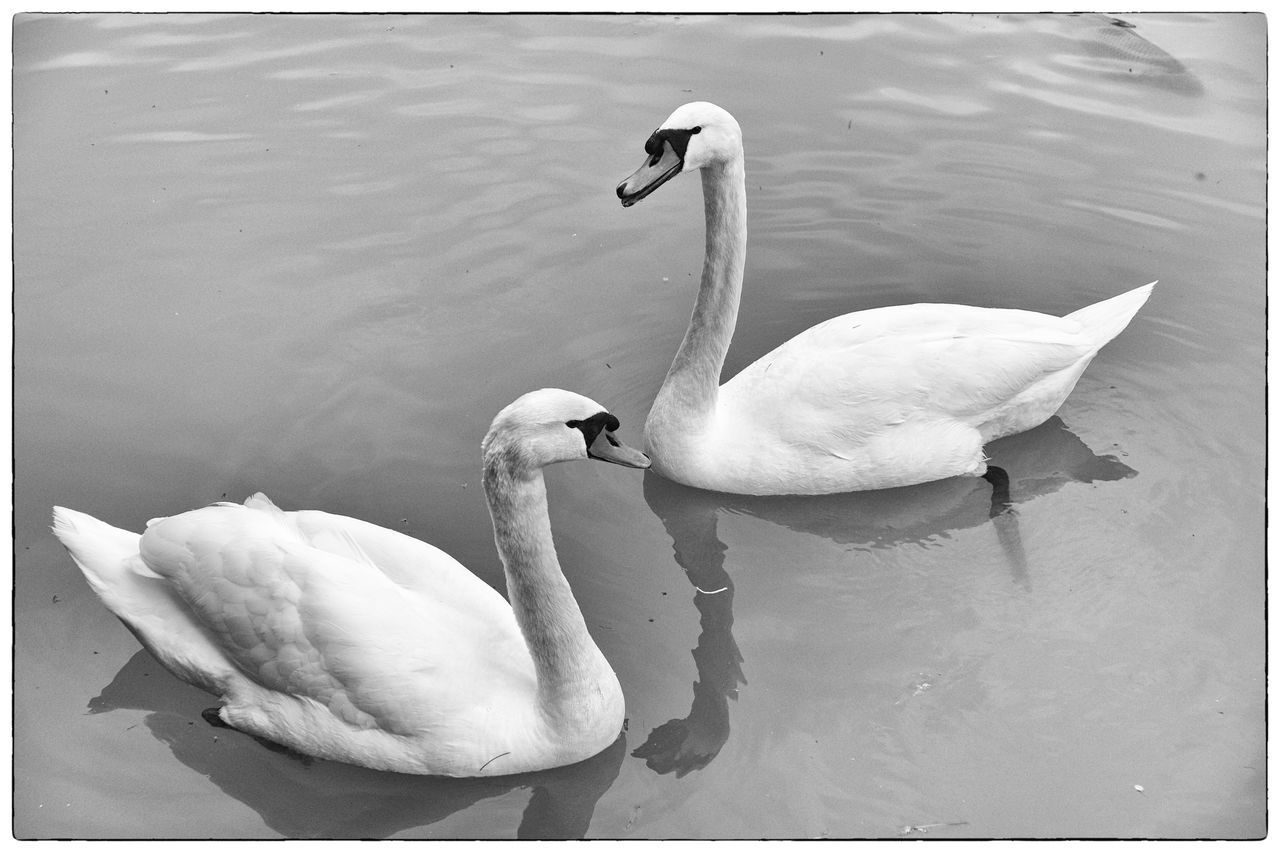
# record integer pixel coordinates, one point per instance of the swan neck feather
(693, 381)
(565, 658)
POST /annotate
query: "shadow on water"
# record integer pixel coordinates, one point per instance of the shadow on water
(1038, 462)
(302, 797)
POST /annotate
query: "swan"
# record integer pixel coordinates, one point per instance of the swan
(348, 641)
(869, 400)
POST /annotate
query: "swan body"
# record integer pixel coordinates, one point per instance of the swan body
(869, 400)
(349, 641)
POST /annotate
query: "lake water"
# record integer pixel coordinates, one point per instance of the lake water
(315, 255)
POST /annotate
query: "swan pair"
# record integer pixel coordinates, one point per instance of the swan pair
(348, 641)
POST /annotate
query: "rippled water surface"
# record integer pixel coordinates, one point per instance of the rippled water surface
(315, 255)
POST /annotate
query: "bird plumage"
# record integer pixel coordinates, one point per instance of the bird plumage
(349, 641)
(872, 399)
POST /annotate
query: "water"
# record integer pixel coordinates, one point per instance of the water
(315, 255)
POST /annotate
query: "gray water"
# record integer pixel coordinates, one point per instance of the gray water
(315, 255)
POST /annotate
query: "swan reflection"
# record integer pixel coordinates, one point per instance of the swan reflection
(682, 745)
(1038, 462)
(302, 797)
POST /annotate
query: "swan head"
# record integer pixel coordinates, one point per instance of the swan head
(548, 426)
(695, 136)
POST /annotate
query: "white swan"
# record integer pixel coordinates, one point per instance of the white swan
(348, 641)
(885, 397)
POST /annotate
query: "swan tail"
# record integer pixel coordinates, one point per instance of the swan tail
(1108, 318)
(148, 606)
(103, 553)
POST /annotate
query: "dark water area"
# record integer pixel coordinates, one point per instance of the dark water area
(314, 255)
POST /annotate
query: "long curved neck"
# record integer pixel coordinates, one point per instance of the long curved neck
(693, 381)
(565, 657)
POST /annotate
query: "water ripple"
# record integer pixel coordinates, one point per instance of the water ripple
(179, 136)
(320, 252)
(1138, 217)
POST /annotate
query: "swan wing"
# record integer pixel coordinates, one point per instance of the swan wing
(331, 627)
(412, 563)
(853, 377)
(478, 615)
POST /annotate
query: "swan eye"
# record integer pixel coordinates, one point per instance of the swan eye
(697, 129)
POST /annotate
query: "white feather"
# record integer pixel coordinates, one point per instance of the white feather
(873, 399)
(349, 641)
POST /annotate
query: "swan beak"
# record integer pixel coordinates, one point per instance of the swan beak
(606, 448)
(653, 173)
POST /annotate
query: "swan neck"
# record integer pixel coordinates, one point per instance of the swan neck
(566, 659)
(694, 377)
